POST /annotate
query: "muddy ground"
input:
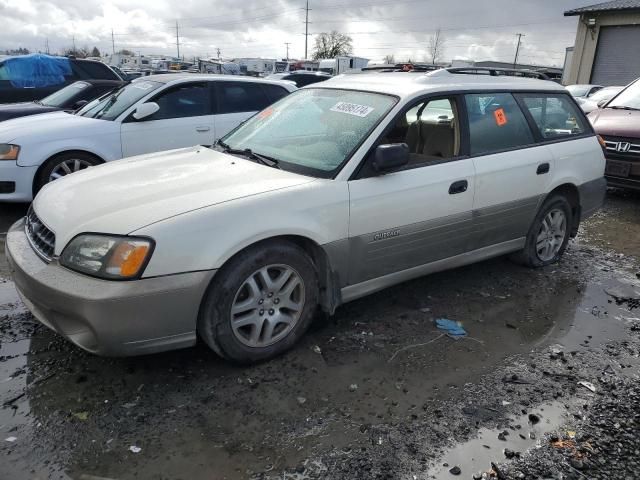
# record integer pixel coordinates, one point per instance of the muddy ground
(374, 392)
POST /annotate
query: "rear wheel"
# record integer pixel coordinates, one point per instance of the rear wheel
(62, 165)
(549, 234)
(260, 303)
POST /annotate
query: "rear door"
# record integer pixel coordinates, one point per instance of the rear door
(185, 119)
(237, 101)
(513, 170)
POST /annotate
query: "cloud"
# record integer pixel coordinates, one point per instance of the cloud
(484, 29)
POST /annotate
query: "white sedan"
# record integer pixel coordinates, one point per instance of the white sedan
(151, 114)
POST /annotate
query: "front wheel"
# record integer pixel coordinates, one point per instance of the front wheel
(260, 303)
(62, 165)
(549, 234)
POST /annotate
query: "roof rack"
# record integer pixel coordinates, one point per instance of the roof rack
(402, 67)
(497, 72)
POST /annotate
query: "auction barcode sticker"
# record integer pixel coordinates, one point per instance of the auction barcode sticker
(352, 109)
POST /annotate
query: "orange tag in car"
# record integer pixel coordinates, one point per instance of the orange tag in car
(501, 118)
(265, 113)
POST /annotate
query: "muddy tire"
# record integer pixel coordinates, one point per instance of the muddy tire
(61, 165)
(260, 303)
(548, 235)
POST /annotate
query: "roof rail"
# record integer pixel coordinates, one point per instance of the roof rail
(496, 72)
(401, 67)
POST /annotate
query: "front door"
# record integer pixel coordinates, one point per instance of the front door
(422, 213)
(184, 119)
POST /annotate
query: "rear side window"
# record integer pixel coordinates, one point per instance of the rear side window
(236, 97)
(555, 115)
(496, 123)
(3, 72)
(275, 92)
(187, 100)
(93, 70)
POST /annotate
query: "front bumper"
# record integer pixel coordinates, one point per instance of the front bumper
(21, 178)
(630, 180)
(107, 317)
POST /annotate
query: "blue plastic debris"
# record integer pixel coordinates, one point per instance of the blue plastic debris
(37, 70)
(452, 327)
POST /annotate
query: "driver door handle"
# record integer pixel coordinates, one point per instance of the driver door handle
(458, 187)
(203, 128)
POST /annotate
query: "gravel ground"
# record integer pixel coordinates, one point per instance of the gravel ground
(374, 392)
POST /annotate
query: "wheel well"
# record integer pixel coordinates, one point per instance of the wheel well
(43, 164)
(329, 295)
(571, 193)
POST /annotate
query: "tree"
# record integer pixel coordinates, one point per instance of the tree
(95, 52)
(81, 52)
(390, 59)
(126, 52)
(436, 47)
(331, 45)
(17, 51)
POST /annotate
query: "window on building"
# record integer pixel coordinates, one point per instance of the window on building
(496, 123)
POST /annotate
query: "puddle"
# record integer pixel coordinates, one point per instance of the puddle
(476, 455)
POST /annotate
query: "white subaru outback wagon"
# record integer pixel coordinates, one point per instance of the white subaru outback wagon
(334, 192)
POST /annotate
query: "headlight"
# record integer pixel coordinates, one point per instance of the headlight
(8, 151)
(106, 256)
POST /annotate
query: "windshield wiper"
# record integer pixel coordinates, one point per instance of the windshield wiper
(247, 152)
(622, 107)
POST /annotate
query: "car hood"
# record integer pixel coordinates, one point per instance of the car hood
(14, 110)
(125, 195)
(616, 123)
(61, 123)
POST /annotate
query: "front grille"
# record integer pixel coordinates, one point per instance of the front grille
(42, 239)
(622, 148)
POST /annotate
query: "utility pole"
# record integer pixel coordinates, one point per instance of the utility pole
(177, 39)
(287, 44)
(515, 60)
(218, 52)
(113, 43)
(73, 39)
(46, 45)
(306, 29)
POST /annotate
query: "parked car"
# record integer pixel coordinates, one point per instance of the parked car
(336, 191)
(598, 99)
(33, 77)
(69, 98)
(583, 91)
(151, 114)
(618, 123)
(301, 78)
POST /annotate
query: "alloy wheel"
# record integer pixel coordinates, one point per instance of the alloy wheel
(551, 235)
(267, 306)
(67, 167)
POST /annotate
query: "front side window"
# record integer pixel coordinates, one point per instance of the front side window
(555, 115)
(187, 100)
(496, 123)
(237, 97)
(430, 129)
(313, 131)
(274, 92)
(112, 106)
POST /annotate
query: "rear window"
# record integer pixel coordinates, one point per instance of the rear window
(496, 123)
(93, 70)
(555, 116)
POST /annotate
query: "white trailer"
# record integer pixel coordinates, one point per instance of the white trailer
(338, 65)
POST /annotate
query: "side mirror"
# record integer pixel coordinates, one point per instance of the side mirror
(145, 110)
(390, 157)
(602, 103)
(79, 104)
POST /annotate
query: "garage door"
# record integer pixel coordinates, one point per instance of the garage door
(617, 61)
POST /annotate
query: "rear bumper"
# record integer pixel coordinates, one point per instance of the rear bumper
(106, 317)
(592, 195)
(21, 177)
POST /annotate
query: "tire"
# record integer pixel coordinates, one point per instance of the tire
(239, 294)
(75, 161)
(532, 255)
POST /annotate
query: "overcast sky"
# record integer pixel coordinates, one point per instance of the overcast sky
(477, 30)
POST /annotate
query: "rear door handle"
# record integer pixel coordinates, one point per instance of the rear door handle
(458, 187)
(203, 128)
(543, 168)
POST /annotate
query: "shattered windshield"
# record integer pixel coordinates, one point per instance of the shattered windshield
(112, 106)
(312, 131)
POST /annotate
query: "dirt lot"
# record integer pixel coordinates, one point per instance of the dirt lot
(374, 392)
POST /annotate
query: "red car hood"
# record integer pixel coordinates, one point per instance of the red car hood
(616, 123)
